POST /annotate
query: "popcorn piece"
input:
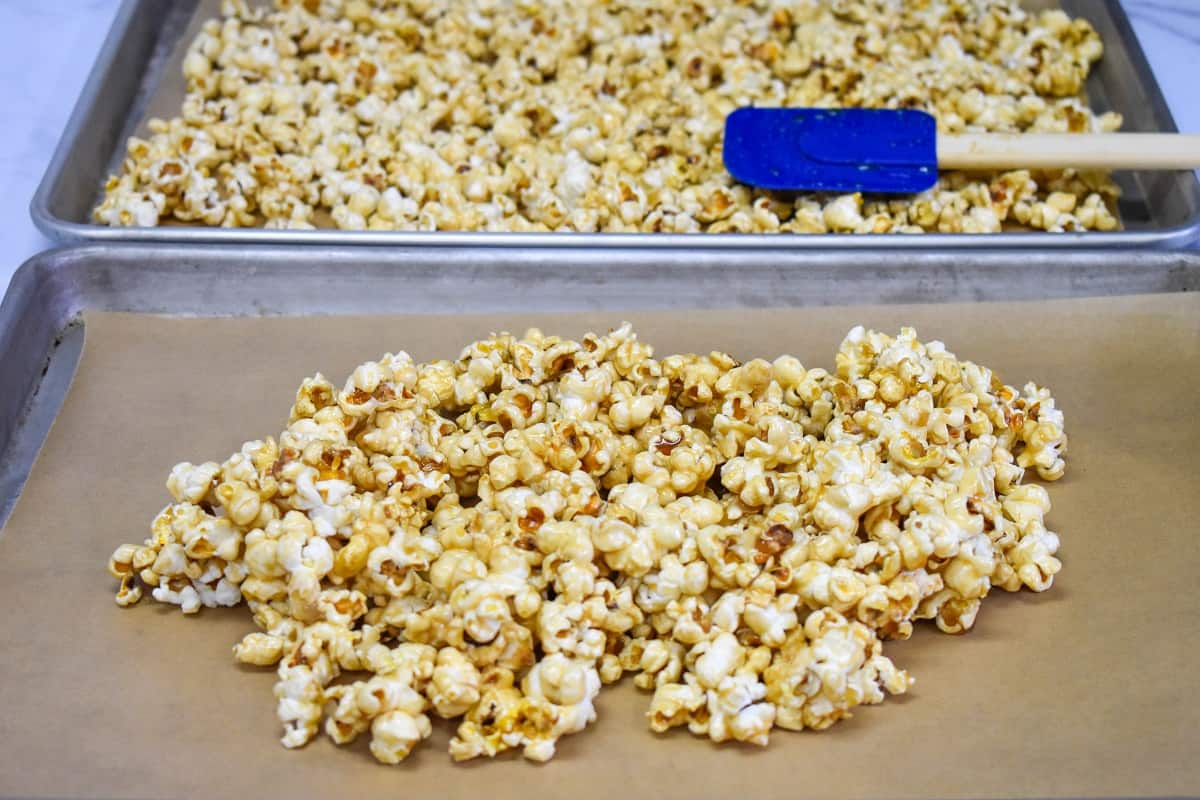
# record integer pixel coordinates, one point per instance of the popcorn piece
(189, 483)
(673, 705)
(395, 733)
(456, 684)
(568, 687)
(300, 697)
(260, 649)
(735, 713)
(387, 704)
(825, 669)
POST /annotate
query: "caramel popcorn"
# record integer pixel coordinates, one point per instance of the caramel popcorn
(596, 116)
(494, 539)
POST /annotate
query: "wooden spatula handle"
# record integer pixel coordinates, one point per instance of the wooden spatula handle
(989, 151)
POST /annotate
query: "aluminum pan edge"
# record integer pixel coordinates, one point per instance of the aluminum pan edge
(223, 280)
(39, 350)
(1169, 238)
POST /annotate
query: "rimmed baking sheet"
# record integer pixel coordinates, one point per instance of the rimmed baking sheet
(1087, 690)
(138, 75)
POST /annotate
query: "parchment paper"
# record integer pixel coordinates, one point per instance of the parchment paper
(1088, 690)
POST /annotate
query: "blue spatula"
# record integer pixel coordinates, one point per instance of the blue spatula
(900, 152)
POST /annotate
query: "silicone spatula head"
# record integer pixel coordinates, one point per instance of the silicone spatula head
(832, 150)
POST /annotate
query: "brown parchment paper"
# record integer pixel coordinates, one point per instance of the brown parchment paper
(1088, 690)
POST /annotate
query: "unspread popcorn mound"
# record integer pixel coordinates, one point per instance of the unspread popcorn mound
(497, 537)
(596, 115)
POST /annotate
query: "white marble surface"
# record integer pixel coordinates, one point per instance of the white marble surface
(47, 49)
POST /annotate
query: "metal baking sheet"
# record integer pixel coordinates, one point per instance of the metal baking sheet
(1085, 691)
(1158, 209)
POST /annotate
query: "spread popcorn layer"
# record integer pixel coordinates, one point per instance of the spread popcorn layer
(494, 539)
(508, 115)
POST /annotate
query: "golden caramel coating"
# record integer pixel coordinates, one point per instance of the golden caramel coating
(494, 539)
(506, 115)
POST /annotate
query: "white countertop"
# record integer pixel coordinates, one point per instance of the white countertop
(47, 49)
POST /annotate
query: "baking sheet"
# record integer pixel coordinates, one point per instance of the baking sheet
(1158, 209)
(1088, 690)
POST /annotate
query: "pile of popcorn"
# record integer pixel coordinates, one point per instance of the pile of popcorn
(495, 538)
(590, 115)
